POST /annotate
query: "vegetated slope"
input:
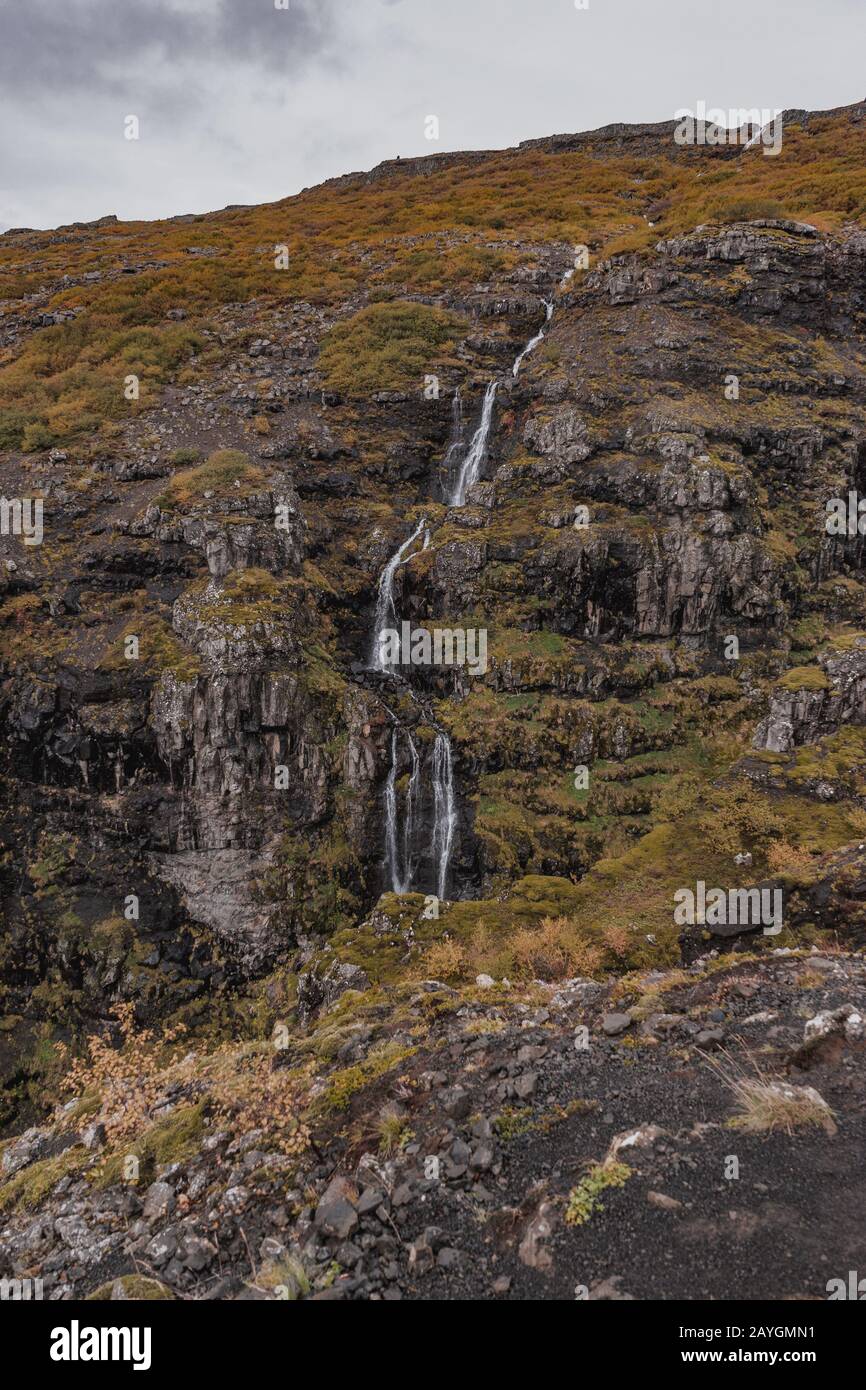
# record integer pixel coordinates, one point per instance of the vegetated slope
(200, 830)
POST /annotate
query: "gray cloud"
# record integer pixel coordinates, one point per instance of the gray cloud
(77, 43)
(240, 102)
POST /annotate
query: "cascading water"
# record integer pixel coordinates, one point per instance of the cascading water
(399, 861)
(399, 865)
(444, 810)
(533, 342)
(455, 442)
(399, 858)
(413, 794)
(477, 451)
(400, 873)
(386, 613)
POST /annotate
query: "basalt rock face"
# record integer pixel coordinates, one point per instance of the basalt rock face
(800, 714)
(197, 758)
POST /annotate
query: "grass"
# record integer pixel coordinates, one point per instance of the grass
(345, 1084)
(134, 1286)
(766, 1105)
(33, 1183)
(388, 347)
(442, 229)
(225, 473)
(804, 678)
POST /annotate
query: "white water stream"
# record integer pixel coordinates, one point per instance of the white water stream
(477, 452)
(399, 864)
(386, 613)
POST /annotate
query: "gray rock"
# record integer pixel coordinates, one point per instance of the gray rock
(159, 1201)
(524, 1085)
(161, 1248)
(533, 1251)
(196, 1252)
(456, 1102)
(336, 1214)
(94, 1136)
(613, 1024)
(449, 1258)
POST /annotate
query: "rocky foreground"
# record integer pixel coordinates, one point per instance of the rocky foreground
(694, 1134)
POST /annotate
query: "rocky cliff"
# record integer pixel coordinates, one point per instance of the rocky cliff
(590, 397)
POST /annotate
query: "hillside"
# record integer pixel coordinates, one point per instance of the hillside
(589, 397)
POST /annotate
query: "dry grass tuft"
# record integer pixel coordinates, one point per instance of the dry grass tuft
(768, 1104)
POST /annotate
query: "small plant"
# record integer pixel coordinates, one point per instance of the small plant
(512, 1122)
(394, 1134)
(583, 1200)
(553, 951)
(128, 1079)
(261, 1098)
(445, 959)
(766, 1104)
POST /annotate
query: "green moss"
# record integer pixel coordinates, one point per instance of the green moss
(37, 1180)
(583, 1201)
(513, 1123)
(345, 1084)
(175, 1139)
(388, 347)
(159, 649)
(804, 678)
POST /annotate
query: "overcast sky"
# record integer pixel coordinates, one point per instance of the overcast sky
(241, 102)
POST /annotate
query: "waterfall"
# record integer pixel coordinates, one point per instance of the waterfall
(391, 863)
(386, 613)
(412, 797)
(400, 876)
(477, 451)
(533, 342)
(399, 868)
(444, 811)
(455, 441)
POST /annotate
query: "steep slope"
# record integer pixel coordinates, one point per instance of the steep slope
(590, 398)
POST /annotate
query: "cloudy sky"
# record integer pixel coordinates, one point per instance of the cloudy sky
(239, 101)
